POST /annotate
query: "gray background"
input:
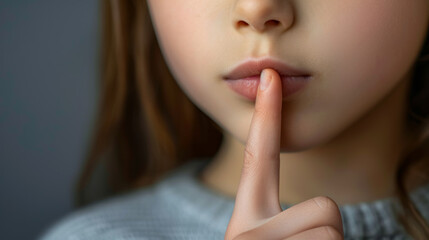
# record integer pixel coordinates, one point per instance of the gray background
(48, 97)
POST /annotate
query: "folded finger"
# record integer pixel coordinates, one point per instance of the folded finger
(313, 213)
(320, 233)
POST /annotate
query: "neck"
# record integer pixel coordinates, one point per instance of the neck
(357, 165)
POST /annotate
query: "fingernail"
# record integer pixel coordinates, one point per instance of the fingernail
(265, 80)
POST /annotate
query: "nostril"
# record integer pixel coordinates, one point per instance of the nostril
(272, 23)
(268, 24)
(242, 24)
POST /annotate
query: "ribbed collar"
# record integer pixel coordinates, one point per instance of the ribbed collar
(367, 220)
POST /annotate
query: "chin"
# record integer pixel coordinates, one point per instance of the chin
(299, 145)
(293, 148)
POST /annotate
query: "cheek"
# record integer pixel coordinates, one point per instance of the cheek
(188, 41)
(371, 40)
(195, 46)
(360, 50)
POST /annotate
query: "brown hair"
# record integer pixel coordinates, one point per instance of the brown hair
(146, 126)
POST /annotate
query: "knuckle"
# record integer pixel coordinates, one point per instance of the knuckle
(325, 203)
(330, 212)
(249, 160)
(332, 233)
(249, 155)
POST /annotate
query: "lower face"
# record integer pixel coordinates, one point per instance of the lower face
(357, 51)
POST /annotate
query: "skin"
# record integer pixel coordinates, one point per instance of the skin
(341, 136)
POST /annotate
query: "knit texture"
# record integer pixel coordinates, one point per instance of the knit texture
(181, 207)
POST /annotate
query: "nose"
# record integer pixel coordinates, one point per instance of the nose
(261, 15)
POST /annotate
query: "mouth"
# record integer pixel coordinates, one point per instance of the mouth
(244, 78)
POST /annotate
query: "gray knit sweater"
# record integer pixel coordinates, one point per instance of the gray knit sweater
(181, 207)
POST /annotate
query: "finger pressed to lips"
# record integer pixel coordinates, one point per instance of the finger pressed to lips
(257, 212)
(258, 190)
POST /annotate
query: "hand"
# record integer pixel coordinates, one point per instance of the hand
(257, 212)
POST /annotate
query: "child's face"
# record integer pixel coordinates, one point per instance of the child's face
(357, 51)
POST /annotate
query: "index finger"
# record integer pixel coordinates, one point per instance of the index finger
(258, 191)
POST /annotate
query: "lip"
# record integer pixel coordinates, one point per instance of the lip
(245, 77)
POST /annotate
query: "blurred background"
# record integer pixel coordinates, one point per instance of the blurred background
(48, 98)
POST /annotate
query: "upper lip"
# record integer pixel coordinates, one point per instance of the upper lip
(254, 67)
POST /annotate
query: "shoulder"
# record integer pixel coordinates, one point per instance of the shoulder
(128, 216)
(165, 210)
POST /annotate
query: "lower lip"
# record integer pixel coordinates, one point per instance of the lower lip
(248, 87)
